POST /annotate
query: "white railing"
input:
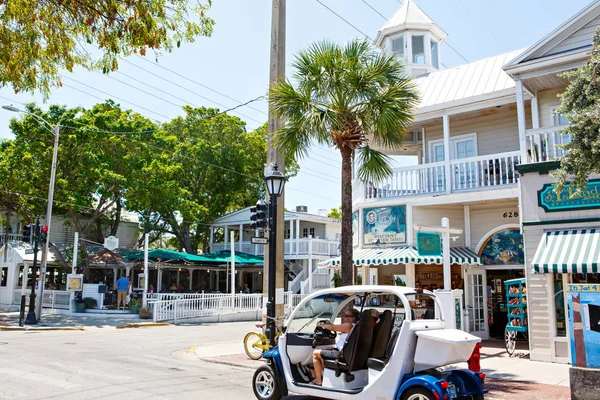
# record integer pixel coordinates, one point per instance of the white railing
(484, 171)
(295, 284)
(5, 237)
(544, 144)
(52, 298)
(291, 300)
(205, 304)
(291, 247)
(409, 181)
(468, 173)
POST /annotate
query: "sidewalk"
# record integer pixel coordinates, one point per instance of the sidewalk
(10, 320)
(507, 377)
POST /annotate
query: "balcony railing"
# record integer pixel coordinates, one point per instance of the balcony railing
(302, 247)
(6, 237)
(490, 171)
(544, 144)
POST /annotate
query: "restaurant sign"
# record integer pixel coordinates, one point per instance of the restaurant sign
(569, 198)
(429, 244)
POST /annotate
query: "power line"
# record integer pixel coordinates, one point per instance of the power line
(188, 90)
(190, 80)
(345, 20)
(456, 51)
(373, 8)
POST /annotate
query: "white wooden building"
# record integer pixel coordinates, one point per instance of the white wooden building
(308, 240)
(474, 125)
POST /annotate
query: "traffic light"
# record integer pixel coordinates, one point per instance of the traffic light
(27, 233)
(259, 217)
(43, 234)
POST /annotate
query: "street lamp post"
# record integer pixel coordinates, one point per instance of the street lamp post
(275, 182)
(35, 236)
(55, 131)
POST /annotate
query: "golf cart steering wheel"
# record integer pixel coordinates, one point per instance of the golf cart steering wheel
(323, 336)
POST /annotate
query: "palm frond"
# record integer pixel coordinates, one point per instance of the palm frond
(374, 166)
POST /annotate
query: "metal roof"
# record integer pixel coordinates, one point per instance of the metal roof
(466, 82)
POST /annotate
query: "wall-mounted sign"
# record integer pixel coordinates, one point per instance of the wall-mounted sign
(429, 244)
(386, 225)
(74, 282)
(569, 198)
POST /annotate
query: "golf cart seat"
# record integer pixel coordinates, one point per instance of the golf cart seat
(381, 335)
(356, 349)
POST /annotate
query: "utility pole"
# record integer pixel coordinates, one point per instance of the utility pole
(277, 71)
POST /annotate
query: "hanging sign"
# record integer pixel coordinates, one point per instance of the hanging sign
(429, 244)
(259, 240)
(569, 198)
(74, 282)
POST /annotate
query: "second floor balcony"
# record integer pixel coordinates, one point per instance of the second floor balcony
(545, 144)
(486, 172)
(301, 248)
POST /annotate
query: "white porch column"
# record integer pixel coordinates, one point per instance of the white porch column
(191, 271)
(467, 213)
(25, 276)
(446, 254)
(115, 273)
(366, 278)
(410, 235)
(410, 275)
(297, 235)
(292, 251)
(212, 236)
(241, 239)
(535, 123)
(521, 119)
(226, 234)
(127, 271)
(159, 280)
(310, 265)
(446, 123)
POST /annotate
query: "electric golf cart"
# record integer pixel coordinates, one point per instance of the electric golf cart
(394, 352)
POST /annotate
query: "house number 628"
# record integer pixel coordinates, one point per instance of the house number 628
(511, 214)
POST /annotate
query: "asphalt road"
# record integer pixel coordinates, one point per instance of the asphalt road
(143, 363)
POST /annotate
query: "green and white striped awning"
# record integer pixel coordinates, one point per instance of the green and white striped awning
(574, 251)
(403, 255)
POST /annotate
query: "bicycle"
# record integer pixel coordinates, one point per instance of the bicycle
(256, 343)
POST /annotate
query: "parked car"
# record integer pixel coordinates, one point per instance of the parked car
(395, 356)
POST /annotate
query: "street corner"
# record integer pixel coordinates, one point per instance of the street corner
(500, 389)
(143, 325)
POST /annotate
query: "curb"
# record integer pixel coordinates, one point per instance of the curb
(230, 363)
(45, 328)
(143, 325)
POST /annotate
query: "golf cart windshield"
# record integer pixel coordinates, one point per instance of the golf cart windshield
(310, 313)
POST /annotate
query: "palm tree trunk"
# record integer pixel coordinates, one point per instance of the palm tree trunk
(347, 267)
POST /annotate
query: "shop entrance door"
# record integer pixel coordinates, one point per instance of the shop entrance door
(373, 273)
(476, 302)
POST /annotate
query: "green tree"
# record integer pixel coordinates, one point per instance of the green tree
(354, 98)
(580, 104)
(95, 168)
(335, 213)
(40, 38)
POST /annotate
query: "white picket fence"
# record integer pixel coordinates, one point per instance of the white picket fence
(177, 306)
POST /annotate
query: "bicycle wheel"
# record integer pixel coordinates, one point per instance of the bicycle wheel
(510, 339)
(254, 345)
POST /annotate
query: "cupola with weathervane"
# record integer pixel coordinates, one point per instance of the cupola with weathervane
(414, 37)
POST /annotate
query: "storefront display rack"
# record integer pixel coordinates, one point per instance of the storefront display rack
(516, 299)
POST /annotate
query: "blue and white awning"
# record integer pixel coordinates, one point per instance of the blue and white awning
(574, 251)
(403, 255)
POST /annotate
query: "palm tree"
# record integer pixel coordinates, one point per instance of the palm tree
(354, 98)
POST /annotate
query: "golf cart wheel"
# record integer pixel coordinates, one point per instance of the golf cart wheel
(418, 394)
(254, 345)
(510, 341)
(264, 384)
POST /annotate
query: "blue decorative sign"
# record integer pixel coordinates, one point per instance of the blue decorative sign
(385, 225)
(503, 248)
(429, 244)
(584, 323)
(569, 198)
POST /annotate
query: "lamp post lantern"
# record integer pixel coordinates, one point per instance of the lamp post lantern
(275, 182)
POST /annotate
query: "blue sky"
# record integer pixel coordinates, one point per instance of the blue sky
(235, 62)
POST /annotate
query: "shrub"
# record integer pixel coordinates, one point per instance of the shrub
(90, 302)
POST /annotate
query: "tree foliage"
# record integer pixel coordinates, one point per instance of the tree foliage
(580, 104)
(353, 98)
(335, 213)
(40, 38)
